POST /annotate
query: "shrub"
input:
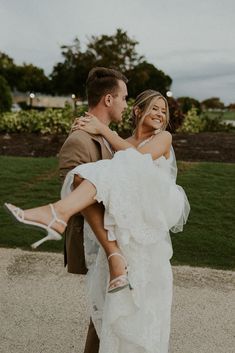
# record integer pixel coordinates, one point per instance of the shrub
(176, 115)
(55, 121)
(59, 121)
(49, 121)
(215, 123)
(126, 126)
(194, 123)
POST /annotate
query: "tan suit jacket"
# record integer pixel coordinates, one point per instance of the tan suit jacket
(80, 147)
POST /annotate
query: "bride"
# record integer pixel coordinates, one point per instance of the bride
(142, 204)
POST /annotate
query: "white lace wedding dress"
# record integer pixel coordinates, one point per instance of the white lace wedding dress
(142, 203)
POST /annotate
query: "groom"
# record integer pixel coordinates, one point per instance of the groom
(106, 94)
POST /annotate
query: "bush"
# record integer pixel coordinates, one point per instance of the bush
(215, 123)
(194, 123)
(49, 121)
(176, 115)
(59, 121)
(126, 126)
(5, 95)
(55, 121)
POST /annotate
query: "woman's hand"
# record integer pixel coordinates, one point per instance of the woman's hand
(89, 123)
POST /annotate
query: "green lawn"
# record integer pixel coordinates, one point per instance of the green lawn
(225, 115)
(27, 182)
(208, 238)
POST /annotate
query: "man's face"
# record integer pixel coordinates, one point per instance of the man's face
(119, 103)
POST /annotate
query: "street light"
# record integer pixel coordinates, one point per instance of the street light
(31, 97)
(169, 94)
(73, 96)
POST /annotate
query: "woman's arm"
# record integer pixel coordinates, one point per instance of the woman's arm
(93, 125)
(158, 146)
(114, 139)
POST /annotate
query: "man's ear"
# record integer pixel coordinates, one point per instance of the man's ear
(108, 100)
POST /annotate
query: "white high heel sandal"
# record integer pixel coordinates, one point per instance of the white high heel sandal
(18, 215)
(121, 281)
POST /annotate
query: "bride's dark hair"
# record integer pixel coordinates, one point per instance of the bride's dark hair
(144, 103)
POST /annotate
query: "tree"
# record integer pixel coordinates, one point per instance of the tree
(212, 103)
(5, 95)
(146, 76)
(187, 103)
(231, 107)
(5, 62)
(8, 70)
(70, 75)
(24, 78)
(32, 78)
(115, 51)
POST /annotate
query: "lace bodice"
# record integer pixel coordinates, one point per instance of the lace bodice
(161, 161)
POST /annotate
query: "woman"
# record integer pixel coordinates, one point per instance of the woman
(142, 203)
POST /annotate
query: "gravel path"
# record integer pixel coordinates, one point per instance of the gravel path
(43, 308)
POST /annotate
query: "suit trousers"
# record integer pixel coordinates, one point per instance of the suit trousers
(92, 340)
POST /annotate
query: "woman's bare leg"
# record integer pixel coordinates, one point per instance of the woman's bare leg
(94, 215)
(76, 201)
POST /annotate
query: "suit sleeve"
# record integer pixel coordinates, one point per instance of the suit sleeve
(75, 151)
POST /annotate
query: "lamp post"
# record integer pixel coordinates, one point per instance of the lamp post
(169, 94)
(31, 97)
(73, 96)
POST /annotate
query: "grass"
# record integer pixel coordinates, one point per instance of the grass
(208, 237)
(207, 240)
(26, 182)
(229, 115)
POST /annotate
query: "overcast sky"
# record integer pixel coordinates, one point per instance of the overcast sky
(192, 41)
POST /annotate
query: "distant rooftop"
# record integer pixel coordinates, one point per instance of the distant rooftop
(38, 100)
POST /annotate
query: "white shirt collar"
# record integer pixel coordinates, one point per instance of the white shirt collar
(107, 144)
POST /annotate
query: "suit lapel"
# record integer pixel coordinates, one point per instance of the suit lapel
(105, 153)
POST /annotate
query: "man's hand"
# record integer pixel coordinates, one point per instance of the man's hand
(93, 214)
(77, 181)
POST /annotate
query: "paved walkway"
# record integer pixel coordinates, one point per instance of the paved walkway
(232, 122)
(43, 308)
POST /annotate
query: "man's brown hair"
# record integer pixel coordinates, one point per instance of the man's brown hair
(102, 81)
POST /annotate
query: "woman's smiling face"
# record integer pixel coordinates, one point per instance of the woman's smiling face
(156, 118)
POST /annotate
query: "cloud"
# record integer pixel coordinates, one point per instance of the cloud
(201, 73)
(191, 41)
(206, 86)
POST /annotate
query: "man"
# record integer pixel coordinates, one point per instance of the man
(106, 93)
